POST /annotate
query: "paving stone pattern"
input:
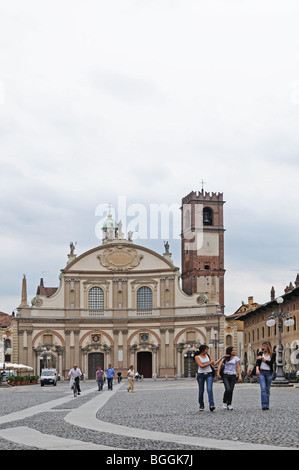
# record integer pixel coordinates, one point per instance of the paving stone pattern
(167, 406)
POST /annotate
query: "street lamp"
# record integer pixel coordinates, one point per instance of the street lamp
(215, 342)
(280, 378)
(188, 355)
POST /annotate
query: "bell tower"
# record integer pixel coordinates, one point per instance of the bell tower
(203, 246)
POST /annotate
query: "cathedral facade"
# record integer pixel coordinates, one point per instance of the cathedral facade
(121, 303)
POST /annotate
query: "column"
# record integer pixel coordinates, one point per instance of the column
(21, 358)
(154, 353)
(125, 349)
(163, 352)
(77, 348)
(179, 361)
(171, 349)
(29, 348)
(67, 365)
(115, 349)
(208, 334)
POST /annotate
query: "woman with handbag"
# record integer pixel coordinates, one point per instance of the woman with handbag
(228, 369)
(264, 371)
(205, 373)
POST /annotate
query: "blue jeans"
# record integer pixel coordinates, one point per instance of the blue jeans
(265, 378)
(201, 378)
(100, 382)
(229, 385)
(110, 383)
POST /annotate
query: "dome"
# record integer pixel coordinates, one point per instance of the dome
(110, 223)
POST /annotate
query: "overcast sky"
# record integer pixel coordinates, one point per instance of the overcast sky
(139, 101)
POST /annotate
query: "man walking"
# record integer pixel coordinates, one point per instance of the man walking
(110, 374)
(100, 378)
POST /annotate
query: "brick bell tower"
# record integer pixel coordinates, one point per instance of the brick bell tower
(203, 246)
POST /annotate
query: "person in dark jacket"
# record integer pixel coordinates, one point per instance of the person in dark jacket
(264, 371)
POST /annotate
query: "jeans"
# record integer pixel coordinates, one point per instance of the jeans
(100, 382)
(229, 384)
(77, 380)
(265, 378)
(201, 378)
(110, 383)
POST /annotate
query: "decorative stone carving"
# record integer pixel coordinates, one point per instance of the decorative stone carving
(37, 302)
(120, 258)
(202, 299)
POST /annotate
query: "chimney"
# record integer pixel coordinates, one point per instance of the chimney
(297, 281)
(272, 293)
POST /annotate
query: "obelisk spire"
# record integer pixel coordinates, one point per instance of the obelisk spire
(24, 291)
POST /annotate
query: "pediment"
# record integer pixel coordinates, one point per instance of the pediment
(120, 258)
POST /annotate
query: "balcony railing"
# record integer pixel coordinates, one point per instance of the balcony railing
(96, 313)
(144, 312)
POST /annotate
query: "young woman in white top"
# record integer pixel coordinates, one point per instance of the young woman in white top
(205, 374)
(264, 371)
(230, 371)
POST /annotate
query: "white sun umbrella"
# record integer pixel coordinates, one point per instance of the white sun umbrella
(13, 366)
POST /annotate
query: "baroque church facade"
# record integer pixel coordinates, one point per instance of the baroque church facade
(121, 303)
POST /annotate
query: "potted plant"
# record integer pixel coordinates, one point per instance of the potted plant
(17, 380)
(10, 380)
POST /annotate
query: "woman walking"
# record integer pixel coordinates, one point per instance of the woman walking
(205, 373)
(131, 375)
(231, 365)
(264, 371)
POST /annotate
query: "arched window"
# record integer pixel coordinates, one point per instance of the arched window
(229, 340)
(96, 299)
(144, 299)
(207, 216)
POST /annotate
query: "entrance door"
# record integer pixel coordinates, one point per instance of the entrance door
(47, 361)
(94, 361)
(144, 364)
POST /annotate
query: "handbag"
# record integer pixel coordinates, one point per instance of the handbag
(213, 370)
(221, 371)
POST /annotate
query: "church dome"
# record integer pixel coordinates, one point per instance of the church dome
(110, 222)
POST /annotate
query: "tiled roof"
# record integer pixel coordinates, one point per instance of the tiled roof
(5, 319)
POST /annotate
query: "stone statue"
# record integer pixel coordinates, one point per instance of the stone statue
(166, 246)
(130, 235)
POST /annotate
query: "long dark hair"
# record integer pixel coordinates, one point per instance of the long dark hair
(202, 347)
(228, 351)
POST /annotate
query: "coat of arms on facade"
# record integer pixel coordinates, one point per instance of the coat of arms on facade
(120, 258)
(96, 338)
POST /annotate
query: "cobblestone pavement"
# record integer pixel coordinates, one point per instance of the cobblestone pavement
(169, 407)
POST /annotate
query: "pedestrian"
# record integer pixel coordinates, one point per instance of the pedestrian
(110, 373)
(75, 374)
(264, 371)
(231, 365)
(131, 376)
(119, 377)
(205, 373)
(100, 378)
